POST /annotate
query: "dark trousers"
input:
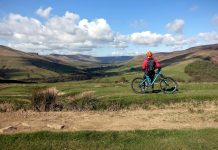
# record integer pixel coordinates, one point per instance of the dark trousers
(151, 75)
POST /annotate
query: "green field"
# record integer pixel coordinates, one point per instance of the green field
(177, 70)
(114, 93)
(108, 91)
(188, 139)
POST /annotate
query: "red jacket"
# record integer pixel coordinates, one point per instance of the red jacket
(145, 64)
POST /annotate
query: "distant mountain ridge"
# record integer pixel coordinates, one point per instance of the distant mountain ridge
(86, 59)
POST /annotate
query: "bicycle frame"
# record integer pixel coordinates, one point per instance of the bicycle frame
(167, 84)
(147, 77)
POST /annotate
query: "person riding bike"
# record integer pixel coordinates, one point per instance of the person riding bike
(149, 65)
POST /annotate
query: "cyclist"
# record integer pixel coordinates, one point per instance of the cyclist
(149, 65)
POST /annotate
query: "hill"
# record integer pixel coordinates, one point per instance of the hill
(17, 65)
(174, 63)
(89, 61)
(75, 60)
(168, 58)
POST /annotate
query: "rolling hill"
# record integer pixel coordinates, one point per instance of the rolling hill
(89, 61)
(168, 58)
(175, 63)
(17, 65)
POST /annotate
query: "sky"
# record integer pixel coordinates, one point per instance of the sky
(107, 28)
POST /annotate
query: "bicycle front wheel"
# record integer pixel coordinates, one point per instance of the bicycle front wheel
(168, 85)
(138, 86)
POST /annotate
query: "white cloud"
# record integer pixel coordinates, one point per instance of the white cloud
(178, 40)
(209, 37)
(68, 22)
(44, 12)
(71, 34)
(215, 19)
(176, 26)
(15, 27)
(125, 53)
(97, 29)
(67, 32)
(155, 39)
(145, 38)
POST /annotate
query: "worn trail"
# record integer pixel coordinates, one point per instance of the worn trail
(172, 117)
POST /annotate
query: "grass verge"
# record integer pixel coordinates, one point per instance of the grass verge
(151, 139)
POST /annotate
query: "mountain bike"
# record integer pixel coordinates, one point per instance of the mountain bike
(167, 84)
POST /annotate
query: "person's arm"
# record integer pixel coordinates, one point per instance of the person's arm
(144, 65)
(158, 66)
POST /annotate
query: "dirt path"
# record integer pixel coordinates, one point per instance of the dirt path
(172, 117)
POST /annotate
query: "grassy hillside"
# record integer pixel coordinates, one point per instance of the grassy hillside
(76, 60)
(154, 139)
(202, 70)
(17, 68)
(177, 70)
(174, 63)
(18, 65)
(168, 58)
(86, 61)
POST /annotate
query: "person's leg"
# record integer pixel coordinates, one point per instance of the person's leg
(145, 74)
(151, 76)
(144, 77)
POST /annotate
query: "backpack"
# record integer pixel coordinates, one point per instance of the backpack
(150, 64)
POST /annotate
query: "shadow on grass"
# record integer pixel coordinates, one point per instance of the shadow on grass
(53, 66)
(156, 91)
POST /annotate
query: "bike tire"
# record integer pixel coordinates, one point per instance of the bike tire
(168, 85)
(139, 89)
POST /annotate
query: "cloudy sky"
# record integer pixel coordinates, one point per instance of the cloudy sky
(105, 28)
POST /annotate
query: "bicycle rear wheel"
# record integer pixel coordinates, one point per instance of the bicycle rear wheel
(138, 86)
(168, 85)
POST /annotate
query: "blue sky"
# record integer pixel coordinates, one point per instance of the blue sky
(114, 27)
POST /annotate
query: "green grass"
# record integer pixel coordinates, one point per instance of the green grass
(202, 70)
(177, 70)
(108, 93)
(20, 69)
(153, 139)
